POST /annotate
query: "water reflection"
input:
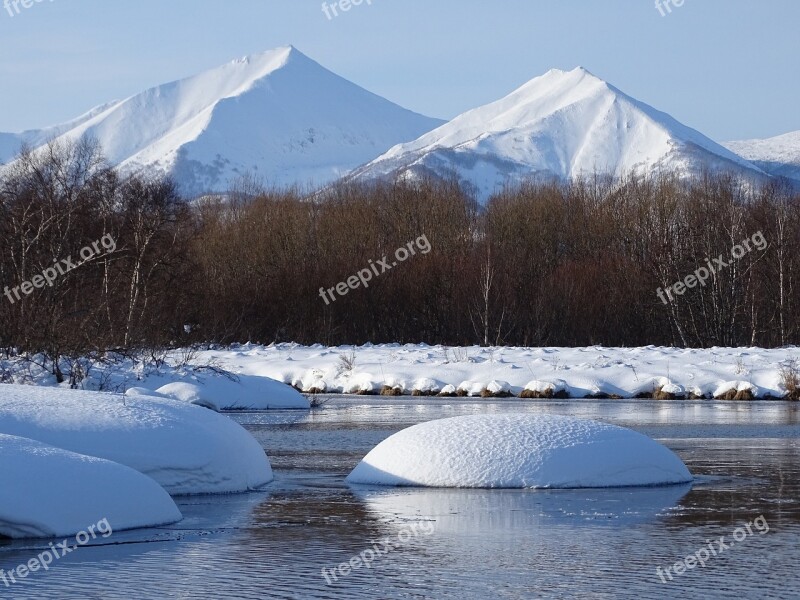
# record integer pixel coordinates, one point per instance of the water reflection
(502, 512)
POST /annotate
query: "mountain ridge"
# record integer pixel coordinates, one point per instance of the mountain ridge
(779, 155)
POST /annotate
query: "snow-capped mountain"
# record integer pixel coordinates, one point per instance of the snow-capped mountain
(563, 125)
(778, 156)
(278, 115)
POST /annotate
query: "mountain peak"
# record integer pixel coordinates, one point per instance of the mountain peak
(576, 71)
(278, 115)
(563, 125)
(281, 54)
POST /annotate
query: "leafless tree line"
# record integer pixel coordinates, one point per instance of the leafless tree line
(541, 264)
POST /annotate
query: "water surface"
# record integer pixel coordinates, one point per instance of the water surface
(484, 544)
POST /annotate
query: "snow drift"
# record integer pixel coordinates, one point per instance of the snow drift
(502, 451)
(50, 492)
(185, 448)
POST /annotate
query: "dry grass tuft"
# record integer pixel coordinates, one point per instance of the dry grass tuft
(790, 379)
(388, 390)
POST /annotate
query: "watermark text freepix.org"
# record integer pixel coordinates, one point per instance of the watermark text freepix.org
(713, 266)
(375, 269)
(55, 552)
(332, 10)
(713, 549)
(60, 267)
(378, 550)
(665, 6)
(13, 7)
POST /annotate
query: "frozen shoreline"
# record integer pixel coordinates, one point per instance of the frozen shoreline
(589, 372)
(422, 370)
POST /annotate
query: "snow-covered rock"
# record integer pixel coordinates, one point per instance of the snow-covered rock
(673, 389)
(470, 388)
(426, 386)
(50, 492)
(545, 389)
(359, 384)
(509, 451)
(497, 389)
(185, 448)
(736, 390)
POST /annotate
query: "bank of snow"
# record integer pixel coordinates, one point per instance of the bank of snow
(185, 448)
(594, 371)
(250, 376)
(50, 492)
(509, 451)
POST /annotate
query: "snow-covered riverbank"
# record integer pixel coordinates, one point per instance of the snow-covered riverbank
(240, 376)
(543, 372)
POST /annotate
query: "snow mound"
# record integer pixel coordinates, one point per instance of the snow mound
(185, 448)
(498, 388)
(238, 392)
(141, 391)
(470, 388)
(426, 386)
(187, 392)
(359, 384)
(673, 388)
(508, 451)
(545, 387)
(87, 490)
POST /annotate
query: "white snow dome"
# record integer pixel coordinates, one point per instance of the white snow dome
(519, 451)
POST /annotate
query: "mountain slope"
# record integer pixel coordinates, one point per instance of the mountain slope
(10, 143)
(778, 156)
(278, 115)
(562, 125)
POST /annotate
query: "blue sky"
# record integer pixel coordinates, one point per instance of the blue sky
(726, 67)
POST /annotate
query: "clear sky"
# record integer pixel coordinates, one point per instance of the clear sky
(727, 67)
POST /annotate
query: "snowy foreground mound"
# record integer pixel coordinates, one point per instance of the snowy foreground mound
(51, 492)
(242, 393)
(185, 448)
(509, 451)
